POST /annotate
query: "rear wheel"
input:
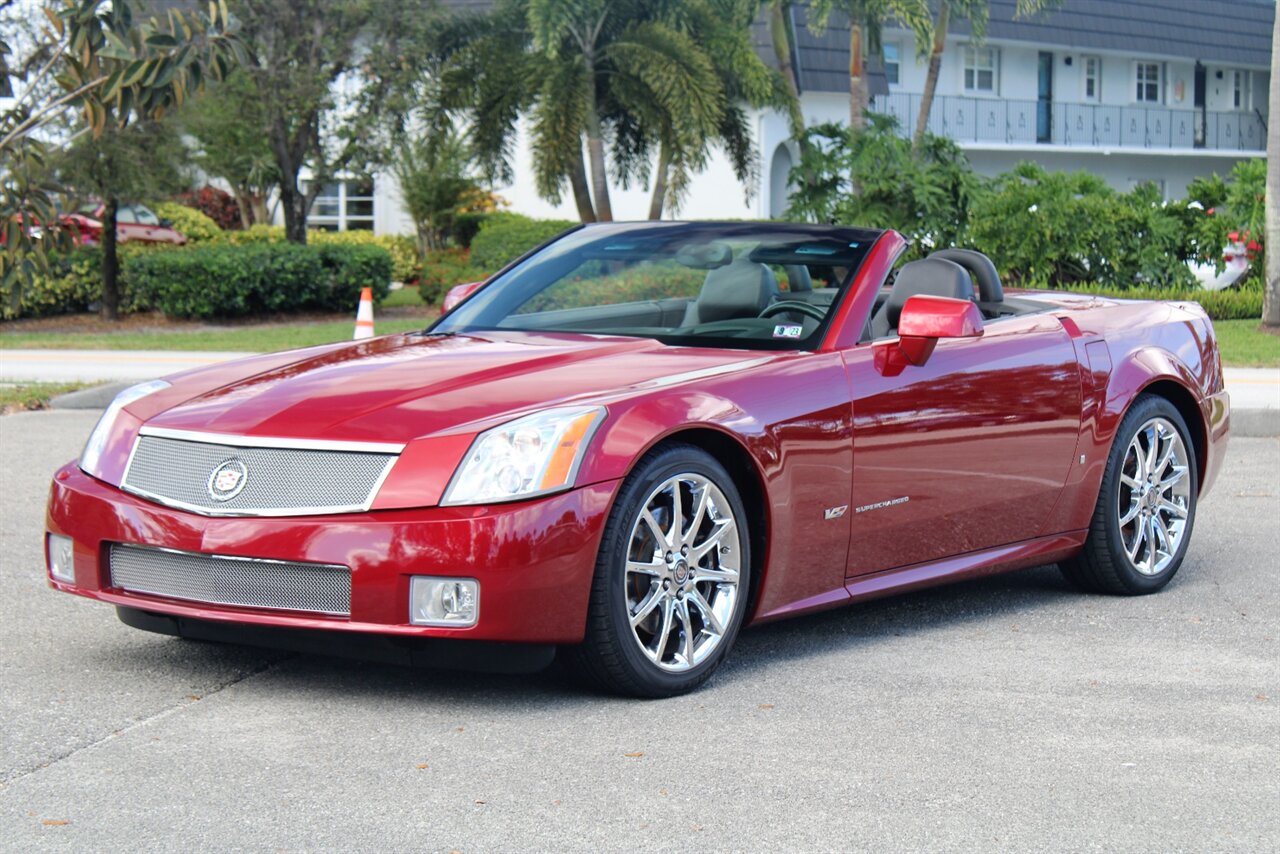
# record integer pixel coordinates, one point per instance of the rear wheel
(672, 577)
(1146, 508)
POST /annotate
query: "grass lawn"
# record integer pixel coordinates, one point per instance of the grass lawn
(1245, 345)
(22, 397)
(254, 338)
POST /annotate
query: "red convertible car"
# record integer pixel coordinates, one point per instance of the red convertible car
(638, 439)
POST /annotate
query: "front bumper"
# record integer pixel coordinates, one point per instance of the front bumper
(534, 559)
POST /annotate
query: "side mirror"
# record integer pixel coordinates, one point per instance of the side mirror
(166, 223)
(925, 319)
(457, 294)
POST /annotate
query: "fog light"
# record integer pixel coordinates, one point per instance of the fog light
(61, 557)
(451, 602)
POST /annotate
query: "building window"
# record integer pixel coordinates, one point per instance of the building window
(1091, 68)
(343, 206)
(1240, 90)
(980, 66)
(892, 63)
(1148, 79)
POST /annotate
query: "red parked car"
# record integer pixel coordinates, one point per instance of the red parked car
(134, 224)
(642, 437)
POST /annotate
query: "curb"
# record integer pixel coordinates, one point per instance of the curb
(97, 397)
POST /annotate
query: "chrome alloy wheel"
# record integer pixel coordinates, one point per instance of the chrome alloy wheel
(1154, 497)
(683, 567)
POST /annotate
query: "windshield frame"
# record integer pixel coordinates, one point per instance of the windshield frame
(454, 322)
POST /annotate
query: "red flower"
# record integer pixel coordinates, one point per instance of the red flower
(1210, 211)
(1233, 236)
(1253, 246)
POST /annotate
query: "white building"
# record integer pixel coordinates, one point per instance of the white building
(1131, 90)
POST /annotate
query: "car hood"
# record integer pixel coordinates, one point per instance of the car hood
(402, 387)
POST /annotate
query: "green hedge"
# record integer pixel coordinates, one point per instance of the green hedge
(234, 281)
(197, 226)
(75, 282)
(1244, 303)
(504, 237)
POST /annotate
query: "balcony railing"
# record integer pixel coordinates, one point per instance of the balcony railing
(997, 120)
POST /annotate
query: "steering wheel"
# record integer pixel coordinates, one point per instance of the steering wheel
(793, 305)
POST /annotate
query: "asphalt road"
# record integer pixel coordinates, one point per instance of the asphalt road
(1009, 713)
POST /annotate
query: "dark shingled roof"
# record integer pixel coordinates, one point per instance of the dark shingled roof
(1230, 32)
(1227, 32)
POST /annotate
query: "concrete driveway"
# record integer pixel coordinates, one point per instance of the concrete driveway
(1010, 713)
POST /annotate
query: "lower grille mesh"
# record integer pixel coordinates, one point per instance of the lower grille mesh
(219, 580)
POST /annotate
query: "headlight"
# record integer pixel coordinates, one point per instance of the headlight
(97, 443)
(531, 456)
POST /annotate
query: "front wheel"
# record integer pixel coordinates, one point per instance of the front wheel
(1146, 508)
(671, 580)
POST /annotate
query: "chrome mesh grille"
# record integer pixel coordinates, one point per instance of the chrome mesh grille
(277, 481)
(222, 580)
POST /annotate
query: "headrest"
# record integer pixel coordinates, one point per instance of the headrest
(934, 277)
(740, 289)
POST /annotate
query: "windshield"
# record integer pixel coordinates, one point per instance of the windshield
(764, 286)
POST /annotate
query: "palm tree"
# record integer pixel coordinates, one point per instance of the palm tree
(722, 30)
(866, 25)
(622, 79)
(977, 12)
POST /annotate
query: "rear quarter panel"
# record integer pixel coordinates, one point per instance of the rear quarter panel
(1127, 348)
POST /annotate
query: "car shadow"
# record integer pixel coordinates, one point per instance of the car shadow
(759, 649)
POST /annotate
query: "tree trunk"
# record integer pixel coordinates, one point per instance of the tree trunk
(595, 150)
(857, 79)
(659, 199)
(581, 190)
(295, 211)
(931, 78)
(243, 204)
(258, 208)
(1271, 293)
(110, 262)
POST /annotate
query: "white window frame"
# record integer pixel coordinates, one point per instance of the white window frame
(1241, 90)
(896, 62)
(345, 220)
(1141, 70)
(972, 68)
(1095, 76)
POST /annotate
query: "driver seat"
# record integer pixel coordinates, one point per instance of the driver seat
(738, 290)
(935, 277)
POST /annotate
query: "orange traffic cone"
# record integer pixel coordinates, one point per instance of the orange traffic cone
(364, 316)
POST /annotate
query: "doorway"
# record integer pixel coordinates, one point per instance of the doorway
(1044, 102)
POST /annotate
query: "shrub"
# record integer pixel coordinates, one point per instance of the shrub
(1059, 228)
(465, 228)
(444, 269)
(404, 254)
(872, 177)
(219, 205)
(195, 225)
(1232, 304)
(73, 284)
(234, 281)
(257, 233)
(504, 237)
(1230, 211)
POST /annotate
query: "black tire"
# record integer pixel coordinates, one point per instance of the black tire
(1104, 565)
(610, 657)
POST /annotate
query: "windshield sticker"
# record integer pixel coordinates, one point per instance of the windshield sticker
(788, 330)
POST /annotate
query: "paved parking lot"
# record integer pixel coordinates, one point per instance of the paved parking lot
(1009, 713)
